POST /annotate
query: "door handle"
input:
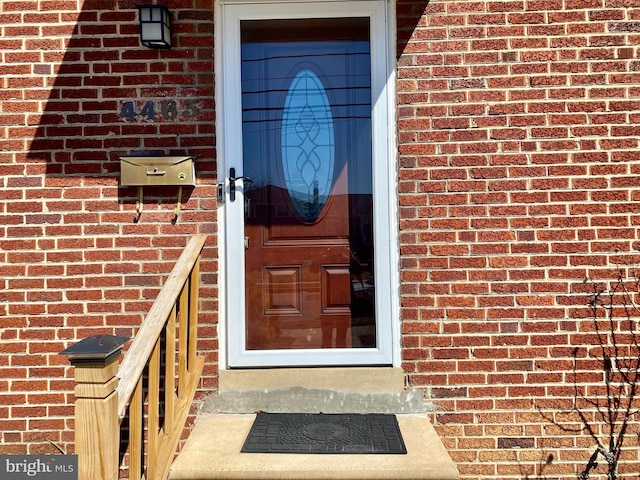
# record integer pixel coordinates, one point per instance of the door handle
(232, 183)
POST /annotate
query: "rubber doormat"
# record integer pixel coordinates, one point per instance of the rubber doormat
(325, 433)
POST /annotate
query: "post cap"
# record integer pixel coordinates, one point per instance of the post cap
(95, 349)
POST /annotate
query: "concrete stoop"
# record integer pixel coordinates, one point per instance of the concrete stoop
(213, 452)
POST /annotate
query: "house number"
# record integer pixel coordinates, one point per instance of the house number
(168, 109)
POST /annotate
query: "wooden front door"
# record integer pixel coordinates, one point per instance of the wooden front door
(303, 183)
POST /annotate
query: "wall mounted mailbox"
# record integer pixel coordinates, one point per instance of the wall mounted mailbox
(152, 171)
(157, 171)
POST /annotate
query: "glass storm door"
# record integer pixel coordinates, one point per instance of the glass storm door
(301, 194)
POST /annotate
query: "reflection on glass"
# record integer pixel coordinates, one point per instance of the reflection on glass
(306, 139)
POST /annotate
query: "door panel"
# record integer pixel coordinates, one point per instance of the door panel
(336, 295)
(282, 290)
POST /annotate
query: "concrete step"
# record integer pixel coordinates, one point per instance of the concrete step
(213, 452)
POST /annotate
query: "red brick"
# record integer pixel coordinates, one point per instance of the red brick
(500, 218)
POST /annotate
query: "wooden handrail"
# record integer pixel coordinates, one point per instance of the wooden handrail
(172, 319)
(142, 346)
(164, 348)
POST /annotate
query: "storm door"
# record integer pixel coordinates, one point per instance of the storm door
(304, 286)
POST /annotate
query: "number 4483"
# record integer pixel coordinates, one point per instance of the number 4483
(169, 109)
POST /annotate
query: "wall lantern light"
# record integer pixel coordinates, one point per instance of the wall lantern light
(155, 26)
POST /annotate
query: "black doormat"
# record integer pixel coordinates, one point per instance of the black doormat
(324, 433)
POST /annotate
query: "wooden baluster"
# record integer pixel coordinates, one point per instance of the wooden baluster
(194, 286)
(170, 373)
(153, 422)
(136, 433)
(183, 339)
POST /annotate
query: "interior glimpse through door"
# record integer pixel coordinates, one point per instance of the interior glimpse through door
(308, 203)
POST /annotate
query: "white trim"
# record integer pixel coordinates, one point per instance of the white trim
(230, 215)
(221, 178)
(392, 183)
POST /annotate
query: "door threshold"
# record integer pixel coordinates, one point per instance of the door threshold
(316, 400)
(213, 452)
(355, 379)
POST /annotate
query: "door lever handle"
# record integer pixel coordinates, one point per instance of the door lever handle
(232, 183)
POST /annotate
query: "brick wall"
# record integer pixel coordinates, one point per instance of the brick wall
(74, 258)
(518, 127)
(519, 124)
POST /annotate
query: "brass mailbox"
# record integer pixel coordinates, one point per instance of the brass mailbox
(157, 171)
(153, 171)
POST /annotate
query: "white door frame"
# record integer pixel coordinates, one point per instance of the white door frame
(231, 332)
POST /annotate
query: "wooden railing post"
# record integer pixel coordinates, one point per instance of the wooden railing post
(97, 426)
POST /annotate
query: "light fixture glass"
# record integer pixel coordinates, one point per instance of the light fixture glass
(155, 26)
